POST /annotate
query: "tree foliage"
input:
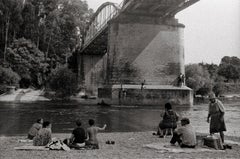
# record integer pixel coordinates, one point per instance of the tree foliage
(28, 61)
(198, 78)
(8, 76)
(40, 33)
(230, 68)
(10, 20)
(63, 81)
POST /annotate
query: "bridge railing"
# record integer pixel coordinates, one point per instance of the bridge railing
(98, 23)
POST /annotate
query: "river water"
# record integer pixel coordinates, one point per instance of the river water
(17, 118)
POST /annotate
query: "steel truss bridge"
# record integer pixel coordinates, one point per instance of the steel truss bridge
(96, 34)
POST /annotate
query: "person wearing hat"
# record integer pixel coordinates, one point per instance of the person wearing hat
(216, 113)
(184, 135)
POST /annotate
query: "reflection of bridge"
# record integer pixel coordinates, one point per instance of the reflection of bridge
(136, 41)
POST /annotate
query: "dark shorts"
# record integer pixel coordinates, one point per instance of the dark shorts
(30, 137)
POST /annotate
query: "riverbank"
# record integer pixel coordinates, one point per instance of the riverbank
(24, 95)
(127, 146)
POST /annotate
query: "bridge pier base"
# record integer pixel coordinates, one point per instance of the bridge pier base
(145, 56)
(149, 95)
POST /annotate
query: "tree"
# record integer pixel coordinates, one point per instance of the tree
(230, 68)
(10, 19)
(230, 72)
(8, 78)
(212, 69)
(219, 88)
(51, 29)
(63, 81)
(29, 62)
(198, 79)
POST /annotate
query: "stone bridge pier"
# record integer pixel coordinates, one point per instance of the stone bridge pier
(140, 63)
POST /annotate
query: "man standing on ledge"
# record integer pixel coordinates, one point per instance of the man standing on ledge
(216, 113)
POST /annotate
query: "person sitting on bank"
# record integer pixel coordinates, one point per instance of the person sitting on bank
(35, 128)
(169, 121)
(184, 135)
(78, 137)
(92, 141)
(44, 135)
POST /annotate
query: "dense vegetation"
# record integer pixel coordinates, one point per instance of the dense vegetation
(38, 36)
(203, 78)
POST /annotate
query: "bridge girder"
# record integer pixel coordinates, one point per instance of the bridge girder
(108, 11)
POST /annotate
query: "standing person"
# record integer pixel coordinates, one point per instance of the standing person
(216, 113)
(35, 128)
(92, 131)
(44, 135)
(169, 120)
(185, 135)
(181, 80)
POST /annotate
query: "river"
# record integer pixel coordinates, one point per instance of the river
(17, 118)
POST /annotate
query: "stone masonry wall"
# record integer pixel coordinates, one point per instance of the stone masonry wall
(141, 51)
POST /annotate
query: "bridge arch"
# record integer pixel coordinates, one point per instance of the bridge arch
(99, 20)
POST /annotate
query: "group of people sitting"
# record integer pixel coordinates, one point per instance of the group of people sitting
(184, 135)
(41, 134)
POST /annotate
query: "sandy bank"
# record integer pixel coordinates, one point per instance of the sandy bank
(24, 95)
(127, 145)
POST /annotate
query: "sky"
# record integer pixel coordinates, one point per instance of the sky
(212, 29)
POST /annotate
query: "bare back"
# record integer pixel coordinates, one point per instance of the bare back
(92, 134)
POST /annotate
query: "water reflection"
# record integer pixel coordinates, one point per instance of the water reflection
(16, 118)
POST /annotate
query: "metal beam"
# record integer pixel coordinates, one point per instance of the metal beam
(174, 10)
(136, 6)
(152, 9)
(184, 6)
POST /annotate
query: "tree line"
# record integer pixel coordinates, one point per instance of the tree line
(203, 77)
(39, 39)
(38, 36)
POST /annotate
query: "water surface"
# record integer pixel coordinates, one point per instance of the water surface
(17, 118)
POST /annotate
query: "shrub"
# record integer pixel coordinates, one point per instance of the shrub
(63, 81)
(7, 78)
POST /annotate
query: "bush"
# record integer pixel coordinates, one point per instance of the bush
(27, 60)
(198, 79)
(8, 78)
(63, 81)
(219, 88)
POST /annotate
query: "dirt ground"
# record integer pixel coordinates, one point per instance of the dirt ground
(127, 146)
